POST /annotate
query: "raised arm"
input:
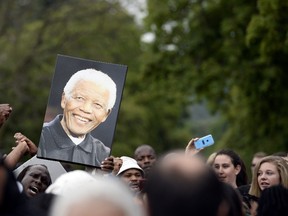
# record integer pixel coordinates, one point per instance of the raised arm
(190, 149)
(23, 146)
(5, 110)
(32, 148)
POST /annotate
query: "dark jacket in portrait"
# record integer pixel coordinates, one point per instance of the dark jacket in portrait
(56, 144)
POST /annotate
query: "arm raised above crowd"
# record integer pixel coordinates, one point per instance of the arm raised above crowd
(23, 146)
(32, 148)
(190, 149)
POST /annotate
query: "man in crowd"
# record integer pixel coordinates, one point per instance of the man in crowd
(145, 156)
(131, 173)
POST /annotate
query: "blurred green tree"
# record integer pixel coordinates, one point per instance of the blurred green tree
(32, 33)
(231, 55)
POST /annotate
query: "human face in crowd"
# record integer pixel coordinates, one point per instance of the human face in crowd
(255, 160)
(267, 175)
(225, 170)
(133, 178)
(85, 108)
(36, 180)
(145, 157)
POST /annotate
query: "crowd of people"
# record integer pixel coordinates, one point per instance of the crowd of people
(179, 182)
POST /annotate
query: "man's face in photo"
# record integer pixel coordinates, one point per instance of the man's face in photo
(84, 108)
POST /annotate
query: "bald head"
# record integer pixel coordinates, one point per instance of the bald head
(183, 185)
(178, 162)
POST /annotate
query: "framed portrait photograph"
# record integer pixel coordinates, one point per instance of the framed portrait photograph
(82, 110)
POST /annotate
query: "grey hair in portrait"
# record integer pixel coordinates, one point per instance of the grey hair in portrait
(98, 77)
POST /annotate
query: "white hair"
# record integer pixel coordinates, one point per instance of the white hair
(98, 77)
(100, 188)
(68, 181)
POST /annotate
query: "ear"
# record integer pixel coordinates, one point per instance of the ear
(107, 114)
(63, 100)
(237, 169)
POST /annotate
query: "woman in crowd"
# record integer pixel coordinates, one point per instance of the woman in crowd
(34, 179)
(271, 170)
(230, 168)
(12, 202)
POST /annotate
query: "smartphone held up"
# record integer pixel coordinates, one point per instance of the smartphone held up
(204, 142)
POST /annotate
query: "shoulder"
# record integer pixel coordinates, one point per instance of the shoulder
(244, 189)
(53, 122)
(99, 144)
(53, 126)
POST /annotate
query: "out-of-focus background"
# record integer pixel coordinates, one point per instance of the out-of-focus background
(195, 67)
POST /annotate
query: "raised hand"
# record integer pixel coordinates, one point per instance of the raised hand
(190, 148)
(5, 110)
(107, 165)
(31, 147)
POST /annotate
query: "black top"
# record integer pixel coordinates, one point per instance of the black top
(56, 144)
(13, 202)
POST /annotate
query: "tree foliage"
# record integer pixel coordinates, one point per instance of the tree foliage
(228, 55)
(32, 33)
(231, 54)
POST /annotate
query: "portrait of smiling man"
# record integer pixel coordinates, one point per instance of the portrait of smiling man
(87, 100)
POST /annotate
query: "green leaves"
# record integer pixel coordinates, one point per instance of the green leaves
(34, 33)
(230, 54)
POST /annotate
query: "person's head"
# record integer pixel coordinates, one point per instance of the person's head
(182, 185)
(10, 197)
(87, 100)
(211, 158)
(145, 156)
(231, 202)
(180, 163)
(94, 195)
(282, 154)
(68, 181)
(230, 168)
(35, 179)
(131, 173)
(273, 201)
(256, 158)
(271, 170)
